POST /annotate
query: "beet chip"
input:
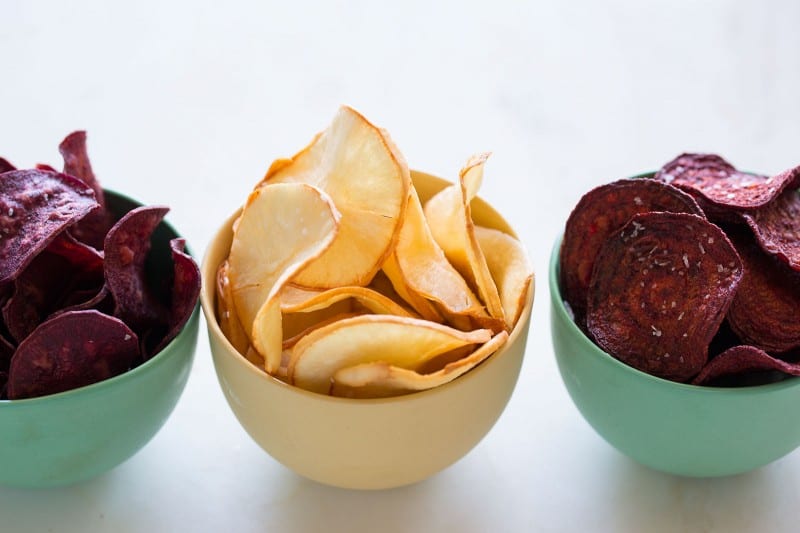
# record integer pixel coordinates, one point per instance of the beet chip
(742, 359)
(765, 311)
(777, 227)
(6, 166)
(601, 212)
(717, 182)
(72, 350)
(659, 291)
(185, 291)
(35, 206)
(126, 247)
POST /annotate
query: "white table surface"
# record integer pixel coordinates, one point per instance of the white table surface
(187, 103)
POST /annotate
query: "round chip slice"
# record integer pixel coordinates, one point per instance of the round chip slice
(716, 181)
(400, 341)
(601, 212)
(742, 359)
(450, 219)
(359, 166)
(765, 309)
(74, 349)
(381, 380)
(777, 227)
(659, 291)
(226, 312)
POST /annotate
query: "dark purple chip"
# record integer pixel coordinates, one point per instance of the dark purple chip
(3, 383)
(45, 166)
(185, 291)
(79, 254)
(601, 212)
(777, 227)
(93, 228)
(660, 289)
(740, 360)
(35, 206)
(718, 183)
(126, 247)
(6, 351)
(6, 166)
(37, 290)
(72, 350)
(765, 311)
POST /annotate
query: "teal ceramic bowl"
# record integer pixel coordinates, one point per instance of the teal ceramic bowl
(68, 437)
(672, 427)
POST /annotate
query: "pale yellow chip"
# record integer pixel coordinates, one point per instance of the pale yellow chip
(282, 228)
(298, 300)
(381, 379)
(226, 313)
(400, 341)
(358, 165)
(510, 269)
(421, 273)
(450, 219)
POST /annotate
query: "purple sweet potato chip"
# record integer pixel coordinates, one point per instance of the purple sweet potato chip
(6, 166)
(777, 227)
(601, 212)
(45, 166)
(659, 291)
(766, 307)
(35, 206)
(93, 228)
(185, 291)
(743, 359)
(78, 254)
(126, 247)
(718, 183)
(72, 350)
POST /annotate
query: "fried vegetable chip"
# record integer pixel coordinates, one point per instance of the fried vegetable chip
(777, 227)
(381, 380)
(600, 213)
(742, 359)
(79, 254)
(35, 206)
(226, 312)
(72, 350)
(5, 166)
(400, 341)
(660, 289)
(765, 309)
(718, 183)
(184, 294)
(126, 247)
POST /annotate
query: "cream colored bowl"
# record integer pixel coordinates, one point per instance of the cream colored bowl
(365, 444)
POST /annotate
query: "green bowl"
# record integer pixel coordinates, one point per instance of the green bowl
(672, 427)
(71, 436)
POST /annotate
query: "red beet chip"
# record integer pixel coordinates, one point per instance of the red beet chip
(764, 312)
(601, 212)
(720, 185)
(35, 206)
(93, 228)
(740, 360)
(185, 291)
(659, 292)
(6, 166)
(777, 227)
(126, 247)
(45, 166)
(71, 350)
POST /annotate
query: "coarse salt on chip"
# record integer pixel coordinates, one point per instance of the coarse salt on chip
(777, 227)
(660, 289)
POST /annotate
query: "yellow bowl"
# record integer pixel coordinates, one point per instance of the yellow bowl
(356, 443)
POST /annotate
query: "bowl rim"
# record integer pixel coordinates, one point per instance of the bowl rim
(154, 361)
(557, 306)
(208, 304)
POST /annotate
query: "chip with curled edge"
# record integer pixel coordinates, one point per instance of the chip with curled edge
(660, 290)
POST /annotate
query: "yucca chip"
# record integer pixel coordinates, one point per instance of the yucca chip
(282, 228)
(450, 218)
(381, 379)
(228, 319)
(358, 165)
(400, 341)
(510, 270)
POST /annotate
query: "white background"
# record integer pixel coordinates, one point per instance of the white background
(187, 103)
